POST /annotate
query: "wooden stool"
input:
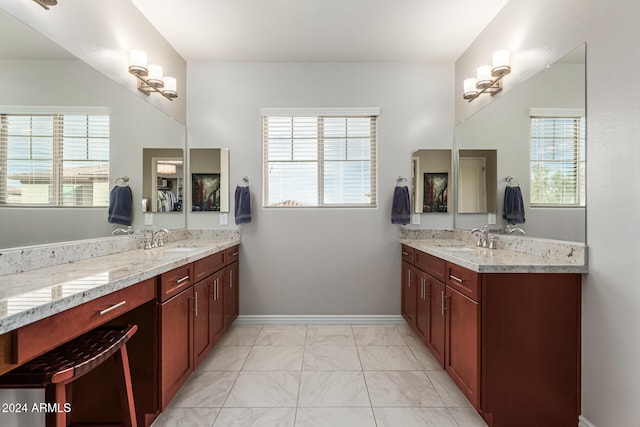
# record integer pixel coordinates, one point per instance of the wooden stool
(68, 362)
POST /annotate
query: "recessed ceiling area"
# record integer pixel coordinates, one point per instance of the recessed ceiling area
(320, 30)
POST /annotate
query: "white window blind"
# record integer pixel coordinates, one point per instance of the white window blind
(319, 161)
(558, 158)
(54, 159)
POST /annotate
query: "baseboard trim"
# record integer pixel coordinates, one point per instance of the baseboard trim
(320, 320)
(583, 422)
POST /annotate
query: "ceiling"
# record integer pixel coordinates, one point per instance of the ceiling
(320, 30)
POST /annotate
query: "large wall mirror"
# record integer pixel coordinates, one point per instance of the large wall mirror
(537, 131)
(36, 72)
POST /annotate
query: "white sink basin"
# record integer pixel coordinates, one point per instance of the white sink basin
(457, 248)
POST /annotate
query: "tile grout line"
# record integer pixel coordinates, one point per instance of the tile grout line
(366, 385)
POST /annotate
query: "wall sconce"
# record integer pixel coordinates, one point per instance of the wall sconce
(488, 78)
(150, 78)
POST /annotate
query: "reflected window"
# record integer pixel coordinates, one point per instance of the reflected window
(558, 161)
(54, 159)
(319, 161)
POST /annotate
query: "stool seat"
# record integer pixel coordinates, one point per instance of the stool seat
(73, 359)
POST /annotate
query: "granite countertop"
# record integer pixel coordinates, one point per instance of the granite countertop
(555, 258)
(33, 295)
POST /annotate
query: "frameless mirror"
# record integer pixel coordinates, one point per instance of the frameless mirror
(543, 157)
(163, 182)
(209, 174)
(25, 56)
(431, 175)
(477, 181)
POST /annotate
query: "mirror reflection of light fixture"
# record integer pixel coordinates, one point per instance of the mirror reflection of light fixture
(166, 168)
(46, 3)
(150, 78)
(489, 77)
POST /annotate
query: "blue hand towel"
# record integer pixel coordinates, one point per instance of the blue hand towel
(120, 205)
(243, 205)
(513, 205)
(401, 208)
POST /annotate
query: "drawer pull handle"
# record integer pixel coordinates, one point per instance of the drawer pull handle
(405, 253)
(113, 307)
(457, 279)
(234, 254)
(442, 300)
(230, 279)
(182, 280)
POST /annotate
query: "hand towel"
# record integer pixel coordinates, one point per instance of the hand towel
(401, 208)
(243, 205)
(120, 205)
(513, 205)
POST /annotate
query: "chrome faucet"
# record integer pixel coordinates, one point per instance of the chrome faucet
(511, 230)
(483, 237)
(157, 238)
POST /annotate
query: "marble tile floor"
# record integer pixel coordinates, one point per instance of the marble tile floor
(320, 376)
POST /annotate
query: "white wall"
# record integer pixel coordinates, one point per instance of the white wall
(538, 33)
(319, 261)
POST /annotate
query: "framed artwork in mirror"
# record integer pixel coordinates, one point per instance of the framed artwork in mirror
(205, 192)
(435, 192)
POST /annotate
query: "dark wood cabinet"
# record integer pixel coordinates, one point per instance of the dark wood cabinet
(193, 317)
(509, 341)
(462, 343)
(176, 344)
(202, 337)
(408, 302)
(217, 296)
(436, 327)
(231, 293)
(423, 311)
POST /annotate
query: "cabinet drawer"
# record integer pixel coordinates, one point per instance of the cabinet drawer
(463, 280)
(174, 281)
(36, 338)
(208, 265)
(407, 253)
(430, 264)
(233, 254)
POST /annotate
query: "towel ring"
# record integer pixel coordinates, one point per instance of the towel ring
(124, 179)
(511, 183)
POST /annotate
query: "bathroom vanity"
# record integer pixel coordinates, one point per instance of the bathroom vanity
(183, 297)
(504, 325)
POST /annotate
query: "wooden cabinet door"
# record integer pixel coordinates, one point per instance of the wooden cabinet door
(216, 305)
(462, 355)
(176, 357)
(202, 337)
(408, 301)
(231, 294)
(436, 333)
(422, 304)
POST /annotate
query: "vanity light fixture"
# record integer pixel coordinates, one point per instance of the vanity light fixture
(489, 77)
(150, 78)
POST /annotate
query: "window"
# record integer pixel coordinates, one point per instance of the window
(324, 160)
(558, 160)
(59, 159)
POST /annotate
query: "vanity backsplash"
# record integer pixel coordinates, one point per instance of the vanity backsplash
(18, 260)
(570, 252)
